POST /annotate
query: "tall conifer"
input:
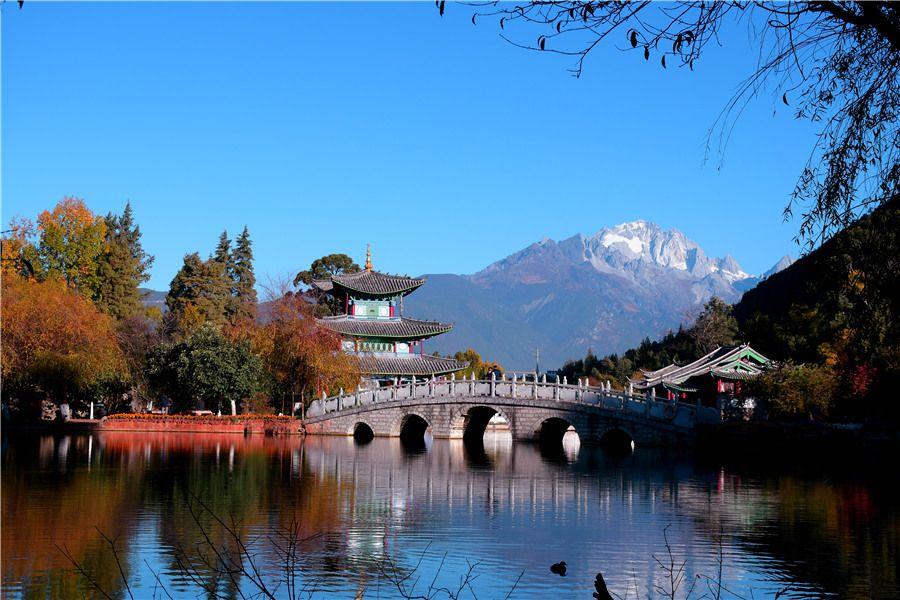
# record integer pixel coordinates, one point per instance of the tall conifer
(199, 293)
(243, 277)
(123, 267)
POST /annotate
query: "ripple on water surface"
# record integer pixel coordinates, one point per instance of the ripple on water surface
(376, 511)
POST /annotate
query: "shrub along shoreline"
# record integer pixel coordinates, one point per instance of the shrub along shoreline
(245, 424)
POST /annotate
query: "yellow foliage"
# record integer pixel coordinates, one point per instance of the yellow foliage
(51, 333)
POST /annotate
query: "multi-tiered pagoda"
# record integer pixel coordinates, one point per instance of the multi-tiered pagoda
(388, 345)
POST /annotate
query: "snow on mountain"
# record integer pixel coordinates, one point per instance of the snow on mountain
(605, 291)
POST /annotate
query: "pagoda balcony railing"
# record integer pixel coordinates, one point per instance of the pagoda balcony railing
(581, 393)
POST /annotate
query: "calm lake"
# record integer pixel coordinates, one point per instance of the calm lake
(361, 520)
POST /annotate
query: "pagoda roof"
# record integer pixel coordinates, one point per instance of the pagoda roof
(725, 362)
(370, 282)
(678, 388)
(385, 328)
(407, 364)
(659, 372)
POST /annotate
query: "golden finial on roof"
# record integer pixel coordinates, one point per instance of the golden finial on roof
(368, 257)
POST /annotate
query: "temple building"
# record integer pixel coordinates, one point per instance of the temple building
(389, 345)
(709, 378)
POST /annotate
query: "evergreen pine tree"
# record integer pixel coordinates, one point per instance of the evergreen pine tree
(243, 277)
(222, 253)
(123, 267)
(199, 294)
(223, 262)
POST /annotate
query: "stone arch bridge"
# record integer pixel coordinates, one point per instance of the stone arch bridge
(537, 411)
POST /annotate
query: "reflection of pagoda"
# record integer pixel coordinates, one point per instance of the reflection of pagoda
(388, 345)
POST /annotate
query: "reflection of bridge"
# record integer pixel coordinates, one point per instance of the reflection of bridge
(535, 411)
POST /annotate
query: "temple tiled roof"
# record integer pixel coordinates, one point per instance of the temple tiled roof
(408, 365)
(385, 328)
(374, 283)
(725, 362)
(659, 372)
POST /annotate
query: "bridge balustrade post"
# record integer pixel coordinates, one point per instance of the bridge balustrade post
(534, 387)
(556, 389)
(340, 399)
(493, 384)
(452, 384)
(514, 385)
(472, 384)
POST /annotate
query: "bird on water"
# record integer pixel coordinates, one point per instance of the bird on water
(559, 568)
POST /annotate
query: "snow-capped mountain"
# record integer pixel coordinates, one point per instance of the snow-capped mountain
(640, 242)
(605, 291)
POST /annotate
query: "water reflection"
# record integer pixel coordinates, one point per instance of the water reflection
(513, 507)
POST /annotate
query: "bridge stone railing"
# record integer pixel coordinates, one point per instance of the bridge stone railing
(604, 396)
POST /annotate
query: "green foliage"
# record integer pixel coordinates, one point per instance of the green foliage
(715, 326)
(792, 391)
(243, 278)
(677, 346)
(205, 369)
(838, 306)
(222, 253)
(123, 267)
(324, 268)
(200, 293)
(70, 246)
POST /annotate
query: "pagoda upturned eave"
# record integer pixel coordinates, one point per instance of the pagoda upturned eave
(370, 283)
(395, 328)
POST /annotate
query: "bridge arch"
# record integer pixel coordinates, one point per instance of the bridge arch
(473, 421)
(618, 440)
(411, 428)
(362, 432)
(552, 430)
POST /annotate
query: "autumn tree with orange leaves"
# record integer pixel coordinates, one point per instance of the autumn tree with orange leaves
(303, 358)
(55, 341)
(71, 243)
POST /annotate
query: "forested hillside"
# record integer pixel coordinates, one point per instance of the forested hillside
(838, 306)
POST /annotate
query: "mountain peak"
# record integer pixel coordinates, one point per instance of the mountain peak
(638, 244)
(783, 263)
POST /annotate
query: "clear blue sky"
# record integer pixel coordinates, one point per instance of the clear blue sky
(323, 127)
